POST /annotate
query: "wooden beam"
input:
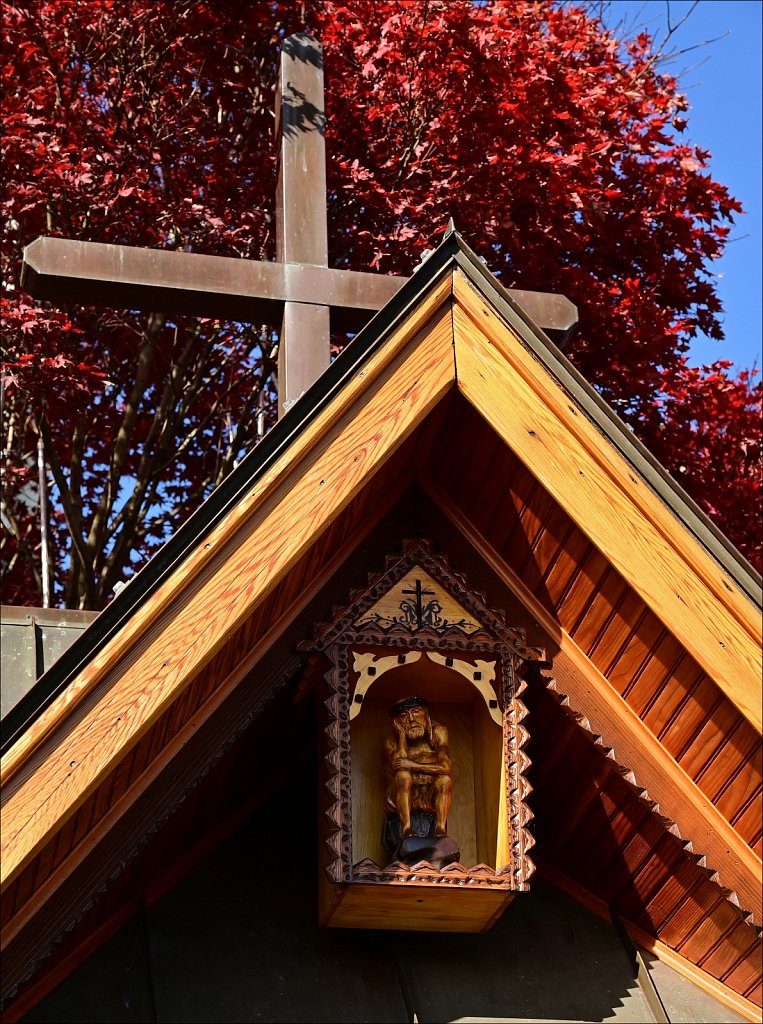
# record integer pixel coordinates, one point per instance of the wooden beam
(250, 505)
(601, 493)
(66, 272)
(679, 797)
(301, 501)
(301, 229)
(118, 813)
(221, 287)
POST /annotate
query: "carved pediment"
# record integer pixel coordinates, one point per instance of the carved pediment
(419, 601)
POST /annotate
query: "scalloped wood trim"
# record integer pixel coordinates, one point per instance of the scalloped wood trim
(344, 626)
(631, 781)
(481, 876)
(738, 867)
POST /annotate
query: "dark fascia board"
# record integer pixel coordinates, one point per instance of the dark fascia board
(452, 252)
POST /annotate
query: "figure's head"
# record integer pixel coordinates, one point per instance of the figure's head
(412, 715)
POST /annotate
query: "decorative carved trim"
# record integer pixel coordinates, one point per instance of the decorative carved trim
(629, 778)
(507, 645)
(517, 764)
(479, 877)
(492, 633)
(362, 663)
(339, 780)
(422, 640)
(481, 675)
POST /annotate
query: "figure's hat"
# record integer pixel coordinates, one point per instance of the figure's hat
(406, 704)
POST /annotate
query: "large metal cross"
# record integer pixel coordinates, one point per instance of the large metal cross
(299, 288)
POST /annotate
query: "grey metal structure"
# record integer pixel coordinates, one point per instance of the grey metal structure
(31, 640)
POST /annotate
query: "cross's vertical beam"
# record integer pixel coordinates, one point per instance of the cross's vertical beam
(301, 230)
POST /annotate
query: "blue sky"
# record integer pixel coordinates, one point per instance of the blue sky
(722, 81)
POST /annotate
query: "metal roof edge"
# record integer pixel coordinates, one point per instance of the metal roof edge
(667, 489)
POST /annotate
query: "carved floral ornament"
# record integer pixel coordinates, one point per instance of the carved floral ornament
(419, 637)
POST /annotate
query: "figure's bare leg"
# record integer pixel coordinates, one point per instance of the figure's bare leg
(403, 787)
(443, 789)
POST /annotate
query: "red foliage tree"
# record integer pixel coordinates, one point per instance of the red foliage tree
(553, 145)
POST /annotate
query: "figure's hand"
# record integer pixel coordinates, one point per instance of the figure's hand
(400, 763)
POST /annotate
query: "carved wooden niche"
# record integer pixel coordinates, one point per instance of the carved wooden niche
(418, 631)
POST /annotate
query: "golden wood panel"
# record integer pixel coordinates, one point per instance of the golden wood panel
(150, 756)
(661, 560)
(184, 639)
(301, 448)
(657, 677)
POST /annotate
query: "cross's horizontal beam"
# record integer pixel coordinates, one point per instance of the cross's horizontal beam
(127, 277)
(220, 287)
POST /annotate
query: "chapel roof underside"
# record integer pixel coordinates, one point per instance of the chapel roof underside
(645, 750)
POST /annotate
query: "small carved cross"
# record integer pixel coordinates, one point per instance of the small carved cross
(418, 593)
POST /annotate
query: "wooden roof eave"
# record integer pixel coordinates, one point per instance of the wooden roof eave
(603, 493)
(452, 253)
(157, 600)
(632, 743)
(708, 536)
(242, 558)
(415, 302)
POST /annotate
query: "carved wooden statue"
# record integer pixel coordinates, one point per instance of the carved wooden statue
(395, 781)
(419, 786)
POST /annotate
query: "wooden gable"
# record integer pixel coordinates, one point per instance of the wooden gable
(451, 416)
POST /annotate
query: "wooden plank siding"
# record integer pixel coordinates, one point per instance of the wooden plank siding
(680, 797)
(695, 722)
(630, 527)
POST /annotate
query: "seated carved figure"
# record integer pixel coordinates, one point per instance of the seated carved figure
(418, 768)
